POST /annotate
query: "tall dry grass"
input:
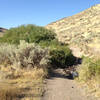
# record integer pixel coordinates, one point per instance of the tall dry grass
(27, 86)
(89, 74)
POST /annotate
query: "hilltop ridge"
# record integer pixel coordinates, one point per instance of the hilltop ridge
(81, 30)
(2, 31)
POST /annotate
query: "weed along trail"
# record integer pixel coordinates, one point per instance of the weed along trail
(59, 87)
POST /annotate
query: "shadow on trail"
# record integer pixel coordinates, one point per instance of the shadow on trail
(59, 75)
(59, 72)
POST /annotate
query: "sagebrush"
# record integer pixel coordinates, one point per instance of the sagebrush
(24, 55)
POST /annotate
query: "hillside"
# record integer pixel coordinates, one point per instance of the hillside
(81, 30)
(2, 31)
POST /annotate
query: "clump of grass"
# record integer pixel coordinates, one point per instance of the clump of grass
(90, 69)
(89, 74)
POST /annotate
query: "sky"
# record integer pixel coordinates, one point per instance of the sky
(14, 13)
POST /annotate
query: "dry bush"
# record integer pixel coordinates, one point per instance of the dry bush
(25, 55)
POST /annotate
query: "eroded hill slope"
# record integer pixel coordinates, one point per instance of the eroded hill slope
(81, 30)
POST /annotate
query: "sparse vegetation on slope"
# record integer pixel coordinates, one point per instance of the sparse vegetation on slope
(82, 30)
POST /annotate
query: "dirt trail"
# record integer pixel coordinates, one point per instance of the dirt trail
(59, 87)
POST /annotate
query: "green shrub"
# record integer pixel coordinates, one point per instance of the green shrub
(24, 55)
(61, 56)
(29, 33)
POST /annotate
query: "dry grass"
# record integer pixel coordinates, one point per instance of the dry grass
(91, 81)
(21, 84)
(94, 87)
(9, 93)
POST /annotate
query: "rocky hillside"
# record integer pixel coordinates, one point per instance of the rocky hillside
(81, 31)
(2, 31)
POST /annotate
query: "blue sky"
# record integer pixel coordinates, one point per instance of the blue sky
(40, 12)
